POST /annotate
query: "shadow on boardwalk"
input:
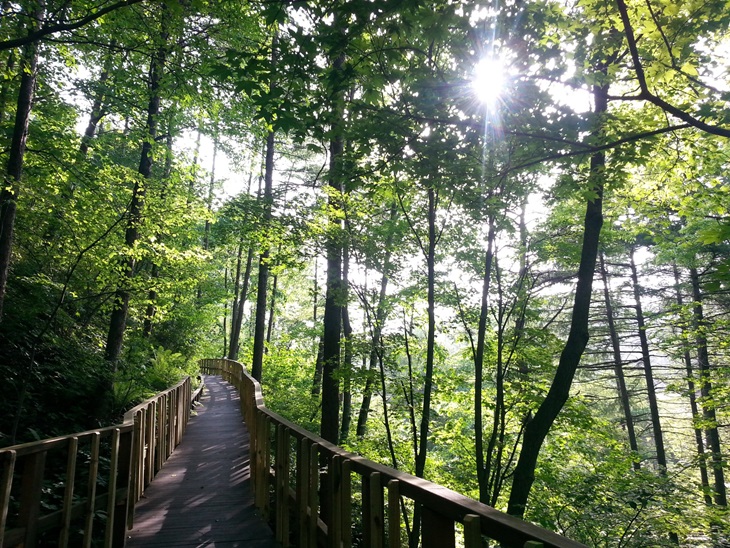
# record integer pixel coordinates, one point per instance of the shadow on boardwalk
(202, 496)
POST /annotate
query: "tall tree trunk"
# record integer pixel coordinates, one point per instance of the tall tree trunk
(237, 321)
(332, 319)
(691, 389)
(347, 358)
(648, 373)
(97, 107)
(272, 307)
(482, 468)
(536, 430)
(118, 322)
(377, 329)
(259, 335)
(708, 407)
(151, 310)
(14, 167)
(623, 393)
(7, 83)
(420, 457)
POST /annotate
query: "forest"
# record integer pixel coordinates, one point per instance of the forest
(486, 243)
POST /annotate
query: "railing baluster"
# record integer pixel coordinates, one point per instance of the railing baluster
(6, 483)
(112, 491)
(334, 519)
(91, 495)
(30, 495)
(376, 522)
(303, 448)
(472, 531)
(282, 485)
(149, 463)
(313, 495)
(438, 530)
(68, 494)
(346, 503)
(393, 514)
(125, 509)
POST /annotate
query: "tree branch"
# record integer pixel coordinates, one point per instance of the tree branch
(647, 94)
(60, 27)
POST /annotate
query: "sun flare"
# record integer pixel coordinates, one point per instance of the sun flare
(488, 81)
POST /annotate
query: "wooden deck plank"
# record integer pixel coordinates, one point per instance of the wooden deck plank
(202, 496)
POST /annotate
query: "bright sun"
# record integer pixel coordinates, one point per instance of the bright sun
(488, 81)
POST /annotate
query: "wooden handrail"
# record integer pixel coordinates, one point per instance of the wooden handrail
(133, 452)
(318, 500)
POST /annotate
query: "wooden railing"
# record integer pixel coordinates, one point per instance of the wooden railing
(304, 485)
(99, 476)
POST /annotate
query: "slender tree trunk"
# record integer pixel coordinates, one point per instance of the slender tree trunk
(259, 336)
(482, 469)
(623, 392)
(648, 373)
(708, 407)
(376, 340)
(347, 358)
(151, 310)
(538, 427)
(118, 322)
(7, 84)
(97, 108)
(332, 319)
(272, 307)
(691, 389)
(14, 167)
(211, 190)
(237, 322)
(420, 457)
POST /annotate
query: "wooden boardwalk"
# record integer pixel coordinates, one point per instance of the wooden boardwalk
(202, 496)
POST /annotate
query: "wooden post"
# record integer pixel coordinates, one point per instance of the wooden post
(30, 495)
(150, 443)
(6, 483)
(313, 495)
(112, 491)
(365, 490)
(334, 519)
(376, 524)
(438, 531)
(303, 481)
(125, 507)
(394, 514)
(68, 494)
(345, 505)
(91, 494)
(282, 484)
(472, 531)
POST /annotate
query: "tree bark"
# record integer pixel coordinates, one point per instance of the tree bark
(538, 427)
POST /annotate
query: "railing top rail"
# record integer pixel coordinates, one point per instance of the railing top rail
(126, 425)
(502, 527)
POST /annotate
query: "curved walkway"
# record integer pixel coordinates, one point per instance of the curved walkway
(202, 496)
